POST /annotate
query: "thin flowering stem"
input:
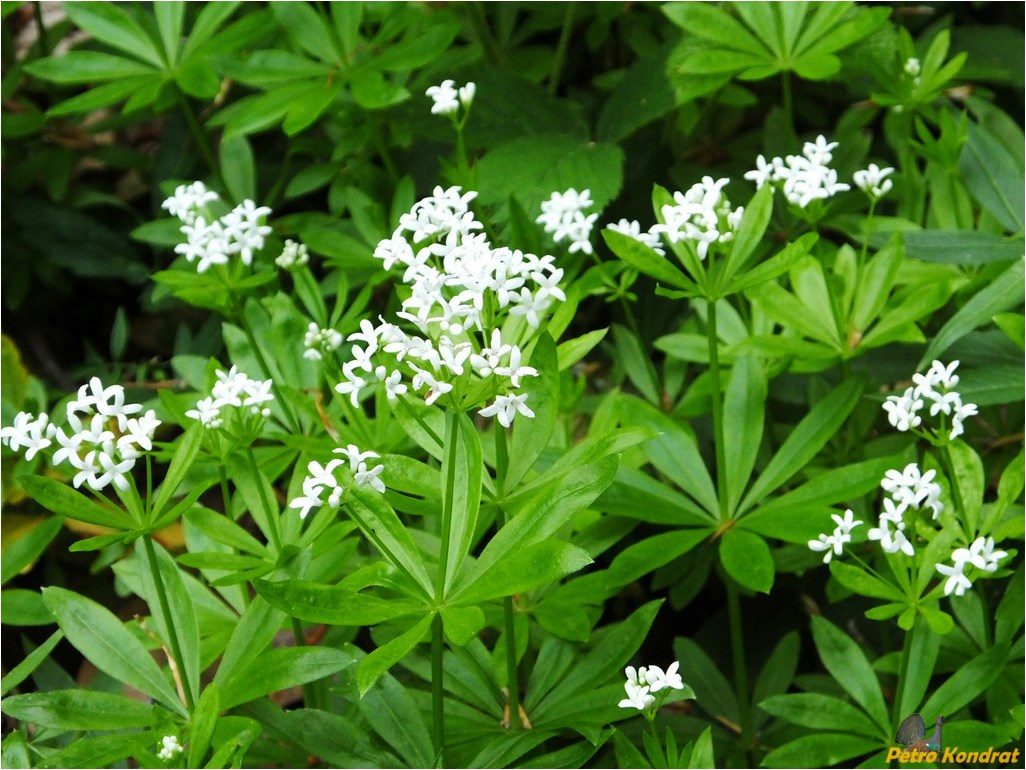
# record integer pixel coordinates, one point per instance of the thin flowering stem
(512, 674)
(561, 48)
(198, 135)
(717, 407)
(169, 623)
(737, 645)
(437, 693)
(293, 420)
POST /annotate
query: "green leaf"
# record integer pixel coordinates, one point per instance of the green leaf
(461, 472)
(673, 451)
(238, 167)
(308, 29)
(210, 18)
(86, 67)
(104, 640)
(335, 605)
(746, 558)
(572, 351)
(28, 546)
(960, 247)
(521, 570)
(770, 268)
(170, 16)
(22, 607)
(805, 441)
(544, 512)
(373, 91)
(31, 662)
(715, 24)
(779, 670)
(993, 177)
(188, 447)
(972, 679)
(462, 624)
(744, 407)
(78, 710)
(713, 693)
(110, 24)
(637, 363)
(531, 167)
(222, 529)
(418, 48)
(820, 712)
(643, 258)
(203, 723)
(280, 668)
(384, 657)
(848, 665)
(864, 583)
(392, 712)
(102, 751)
(60, 498)
(255, 630)
(1005, 292)
(923, 649)
(968, 470)
(753, 226)
(821, 750)
(650, 554)
(380, 524)
(101, 96)
(642, 96)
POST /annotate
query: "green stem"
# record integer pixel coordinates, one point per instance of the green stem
(44, 42)
(906, 656)
(717, 407)
(788, 99)
(437, 632)
(169, 623)
(561, 46)
(198, 135)
(737, 646)
(490, 47)
(512, 674)
(437, 693)
(269, 510)
(956, 493)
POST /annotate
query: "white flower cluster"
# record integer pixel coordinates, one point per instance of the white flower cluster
(702, 215)
(642, 682)
(563, 217)
(232, 389)
(937, 387)
(447, 98)
(460, 287)
(632, 228)
(980, 554)
(322, 478)
(835, 542)
(873, 181)
(104, 440)
(318, 341)
(803, 178)
(293, 255)
(213, 241)
(170, 747)
(909, 489)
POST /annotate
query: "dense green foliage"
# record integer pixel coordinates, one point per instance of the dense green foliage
(630, 453)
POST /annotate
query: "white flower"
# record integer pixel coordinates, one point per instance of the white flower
(637, 697)
(936, 386)
(891, 541)
(506, 407)
(957, 582)
(293, 255)
(467, 94)
(902, 410)
(365, 476)
(873, 182)
(319, 341)
(632, 228)
(913, 67)
(983, 551)
(169, 747)
(445, 97)
(833, 544)
(702, 215)
(563, 217)
(803, 178)
(28, 431)
(846, 523)
(187, 200)
(659, 680)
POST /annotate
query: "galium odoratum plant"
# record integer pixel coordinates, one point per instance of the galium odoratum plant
(924, 524)
(467, 342)
(103, 437)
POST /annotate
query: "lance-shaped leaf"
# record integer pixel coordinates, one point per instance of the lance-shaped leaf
(461, 482)
(387, 655)
(744, 408)
(847, 663)
(643, 258)
(318, 603)
(60, 498)
(530, 437)
(78, 710)
(522, 570)
(104, 640)
(279, 668)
